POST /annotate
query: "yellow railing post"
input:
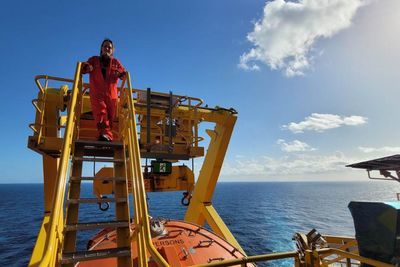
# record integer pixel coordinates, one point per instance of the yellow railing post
(125, 117)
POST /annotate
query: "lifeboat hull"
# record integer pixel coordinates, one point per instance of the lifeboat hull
(181, 244)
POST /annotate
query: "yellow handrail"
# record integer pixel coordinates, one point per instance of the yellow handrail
(249, 259)
(56, 218)
(46, 77)
(141, 214)
(34, 103)
(330, 251)
(126, 115)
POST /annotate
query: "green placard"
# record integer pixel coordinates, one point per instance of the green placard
(161, 167)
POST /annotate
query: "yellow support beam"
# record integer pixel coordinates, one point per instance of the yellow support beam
(200, 208)
(211, 168)
(217, 224)
(50, 166)
(39, 248)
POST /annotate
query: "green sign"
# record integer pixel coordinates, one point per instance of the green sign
(161, 167)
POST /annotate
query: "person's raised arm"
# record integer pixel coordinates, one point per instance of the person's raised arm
(120, 71)
(87, 66)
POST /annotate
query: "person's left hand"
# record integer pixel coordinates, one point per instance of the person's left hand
(121, 75)
(86, 68)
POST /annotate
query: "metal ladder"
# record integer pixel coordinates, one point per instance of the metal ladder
(97, 151)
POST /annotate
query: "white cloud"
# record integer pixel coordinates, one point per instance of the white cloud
(294, 146)
(295, 164)
(321, 122)
(380, 149)
(284, 37)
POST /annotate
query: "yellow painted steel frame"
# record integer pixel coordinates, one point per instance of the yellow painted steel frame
(342, 243)
(130, 140)
(47, 105)
(47, 247)
(200, 209)
(321, 253)
(180, 179)
(342, 248)
(47, 250)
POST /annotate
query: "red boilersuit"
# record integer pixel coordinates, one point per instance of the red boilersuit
(103, 93)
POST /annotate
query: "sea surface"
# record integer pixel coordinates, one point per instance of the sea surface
(262, 216)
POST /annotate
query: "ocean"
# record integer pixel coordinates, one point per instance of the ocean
(262, 216)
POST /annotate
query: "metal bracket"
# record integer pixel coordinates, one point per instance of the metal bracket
(387, 174)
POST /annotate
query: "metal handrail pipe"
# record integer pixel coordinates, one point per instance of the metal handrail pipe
(34, 103)
(39, 77)
(354, 256)
(32, 126)
(47, 126)
(250, 259)
(141, 188)
(127, 120)
(57, 207)
(86, 85)
(142, 254)
(39, 85)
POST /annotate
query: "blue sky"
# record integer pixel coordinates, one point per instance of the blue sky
(315, 82)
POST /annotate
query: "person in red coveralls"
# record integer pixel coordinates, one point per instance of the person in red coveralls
(104, 72)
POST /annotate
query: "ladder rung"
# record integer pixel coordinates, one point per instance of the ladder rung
(94, 254)
(102, 144)
(92, 178)
(95, 225)
(99, 152)
(95, 200)
(97, 159)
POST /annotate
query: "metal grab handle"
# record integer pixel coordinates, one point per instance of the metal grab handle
(385, 173)
(48, 126)
(34, 103)
(32, 126)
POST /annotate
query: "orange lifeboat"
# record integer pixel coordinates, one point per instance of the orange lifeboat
(180, 243)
